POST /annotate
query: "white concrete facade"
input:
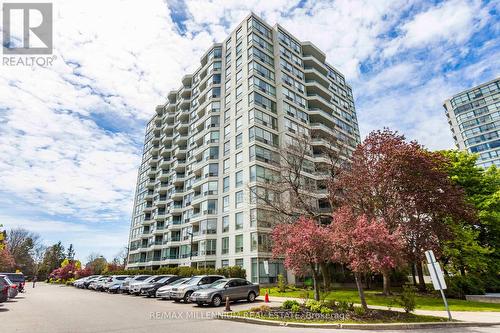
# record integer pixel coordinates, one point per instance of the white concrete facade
(217, 137)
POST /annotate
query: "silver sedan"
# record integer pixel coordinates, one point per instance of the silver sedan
(236, 289)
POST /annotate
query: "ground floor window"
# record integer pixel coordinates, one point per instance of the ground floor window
(258, 270)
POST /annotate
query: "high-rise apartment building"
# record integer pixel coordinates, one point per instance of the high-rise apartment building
(474, 118)
(218, 137)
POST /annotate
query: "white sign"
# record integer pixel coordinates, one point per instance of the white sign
(437, 277)
(435, 271)
(266, 267)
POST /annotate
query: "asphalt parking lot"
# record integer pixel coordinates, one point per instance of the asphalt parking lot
(55, 308)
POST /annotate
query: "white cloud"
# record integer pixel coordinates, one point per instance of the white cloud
(450, 22)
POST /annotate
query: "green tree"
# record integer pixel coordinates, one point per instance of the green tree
(475, 247)
(54, 256)
(71, 252)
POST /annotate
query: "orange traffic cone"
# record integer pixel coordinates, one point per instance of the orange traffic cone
(266, 298)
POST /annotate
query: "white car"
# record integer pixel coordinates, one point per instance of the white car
(135, 287)
(125, 286)
(164, 292)
(114, 282)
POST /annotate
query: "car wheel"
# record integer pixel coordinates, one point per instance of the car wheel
(251, 297)
(216, 300)
(186, 296)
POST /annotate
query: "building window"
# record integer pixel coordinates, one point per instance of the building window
(239, 62)
(239, 141)
(225, 184)
(238, 48)
(239, 199)
(227, 131)
(239, 90)
(225, 223)
(226, 166)
(239, 124)
(254, 241)
(225, 203)
(238, 241)
(225, 245)
(238, 262)
(238, 221)
(224, 263)
(227, 148)
(239, 106)
(239, 34)
(238, 159)
(238, 179)
(239, 76)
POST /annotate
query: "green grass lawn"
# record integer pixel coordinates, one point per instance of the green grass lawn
(374, 297)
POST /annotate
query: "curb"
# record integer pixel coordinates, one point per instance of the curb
(389, 326)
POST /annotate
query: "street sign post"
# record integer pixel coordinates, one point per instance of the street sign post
(437, 277)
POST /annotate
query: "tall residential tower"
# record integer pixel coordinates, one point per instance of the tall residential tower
(474, 118)
(219, 135)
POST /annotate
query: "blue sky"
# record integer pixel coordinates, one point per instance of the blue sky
(71, 134)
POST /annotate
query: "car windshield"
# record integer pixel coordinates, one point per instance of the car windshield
(193, 280)
(163, 279)
(15, 277)
(156, 278)
(142, 278)
(218, 284)
(178, 282)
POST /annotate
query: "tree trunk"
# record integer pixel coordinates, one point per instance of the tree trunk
(315, 282)
(326, 276)
(361, 293)
(387, 282)
(421, 282)
(413, 274)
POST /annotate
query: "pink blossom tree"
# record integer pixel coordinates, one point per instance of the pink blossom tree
(306, 245)
(364, 245)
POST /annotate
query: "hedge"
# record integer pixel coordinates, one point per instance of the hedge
(186, 271)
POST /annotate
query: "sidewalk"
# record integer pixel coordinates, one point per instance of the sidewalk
(478, 317)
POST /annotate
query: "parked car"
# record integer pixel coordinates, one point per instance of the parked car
(4, 289)
(18, 278)
(164, 292)
(79, 282)
(116, 283)
(13, 288)
(96, 284)
(184, 291)
(135, 287)
(236, 289)
(87, 282)
(125, 287)
(113, 279)
(149, 289)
